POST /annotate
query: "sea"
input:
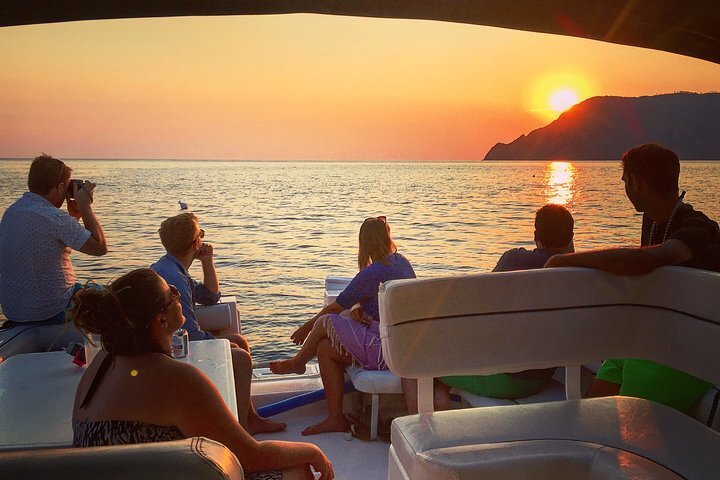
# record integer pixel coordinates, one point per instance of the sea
(279, 228)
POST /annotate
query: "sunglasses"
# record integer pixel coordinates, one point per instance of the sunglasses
(175, 296)
(382, 218)
(201, 234)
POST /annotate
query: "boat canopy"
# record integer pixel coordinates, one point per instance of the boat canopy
(690, 28)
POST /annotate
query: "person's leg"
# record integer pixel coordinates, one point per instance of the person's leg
(242, 373)
(247, 415)
(238, 340)
(297, 363)
(601, 388)
(441, 395)
(332, 372)
(409, 388)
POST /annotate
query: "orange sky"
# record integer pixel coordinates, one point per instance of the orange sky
(302, 87)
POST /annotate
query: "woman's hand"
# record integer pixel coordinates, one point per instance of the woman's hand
(322, 465)
(357, 315)
(298, 337)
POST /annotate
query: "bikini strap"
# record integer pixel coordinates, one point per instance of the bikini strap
(102, 369)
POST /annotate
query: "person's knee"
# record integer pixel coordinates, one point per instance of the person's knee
(237, 340)
(242, 362)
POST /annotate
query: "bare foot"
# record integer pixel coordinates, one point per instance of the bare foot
(263, 425)
(327, 425)
(286, 366)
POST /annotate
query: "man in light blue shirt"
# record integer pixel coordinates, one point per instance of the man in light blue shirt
(182, 238)
(37, 235)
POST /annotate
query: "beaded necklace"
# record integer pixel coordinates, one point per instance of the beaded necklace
(667, 227)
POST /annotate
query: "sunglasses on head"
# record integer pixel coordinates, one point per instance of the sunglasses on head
(382, 218)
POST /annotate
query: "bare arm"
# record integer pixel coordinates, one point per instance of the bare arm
(200, 411)
(299, 335)
(210, 279)
(95, 245)
(626, 261)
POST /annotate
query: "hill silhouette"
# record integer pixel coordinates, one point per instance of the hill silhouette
(603, 128)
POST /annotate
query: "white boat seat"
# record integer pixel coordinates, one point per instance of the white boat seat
(219, 319)
(522, 441)
(376, 383)
(34, 338)
(515, 321)
(197, 458)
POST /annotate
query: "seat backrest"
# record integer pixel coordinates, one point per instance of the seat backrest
(197, 458)
(514, 321)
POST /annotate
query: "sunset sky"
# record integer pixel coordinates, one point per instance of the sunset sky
(303, 87)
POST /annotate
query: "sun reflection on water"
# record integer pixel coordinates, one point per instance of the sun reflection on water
(560, 182)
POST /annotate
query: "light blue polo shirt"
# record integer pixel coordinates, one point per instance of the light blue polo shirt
(36, 275)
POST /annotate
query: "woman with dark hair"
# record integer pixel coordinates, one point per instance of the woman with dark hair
(135, 392)
(338, 340)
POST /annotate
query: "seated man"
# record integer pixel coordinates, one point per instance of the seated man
(672, 233)
(553, 235)
(37, 279)
(182, 238)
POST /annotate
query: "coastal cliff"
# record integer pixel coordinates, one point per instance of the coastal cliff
(603, 128)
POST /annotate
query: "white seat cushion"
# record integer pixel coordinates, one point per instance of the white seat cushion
(479, 442)
(538, 460)
(374, 381)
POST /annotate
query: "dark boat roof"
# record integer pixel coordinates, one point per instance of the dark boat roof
(687, 27)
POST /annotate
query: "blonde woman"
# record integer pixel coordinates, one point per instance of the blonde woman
(339, 340)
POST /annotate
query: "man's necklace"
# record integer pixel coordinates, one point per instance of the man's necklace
(667, 227)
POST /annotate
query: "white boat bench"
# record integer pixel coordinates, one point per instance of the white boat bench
(516, 321)
(197, 458)
(384, 382)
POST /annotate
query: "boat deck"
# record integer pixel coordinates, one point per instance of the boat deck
(352, 458)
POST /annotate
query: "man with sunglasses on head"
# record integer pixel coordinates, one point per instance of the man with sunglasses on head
(182, 238)
(37, 279)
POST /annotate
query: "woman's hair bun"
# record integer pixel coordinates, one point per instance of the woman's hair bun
(96, 310)
(123, 312)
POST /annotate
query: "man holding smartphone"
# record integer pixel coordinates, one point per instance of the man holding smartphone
(37, 279)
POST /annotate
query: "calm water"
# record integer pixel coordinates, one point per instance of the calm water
(280, 228)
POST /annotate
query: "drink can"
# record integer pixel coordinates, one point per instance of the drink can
(180, 343)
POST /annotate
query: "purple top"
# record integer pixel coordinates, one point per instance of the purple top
(366, 284)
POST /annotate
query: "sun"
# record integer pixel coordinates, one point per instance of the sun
(553, 92)
(562, 99)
